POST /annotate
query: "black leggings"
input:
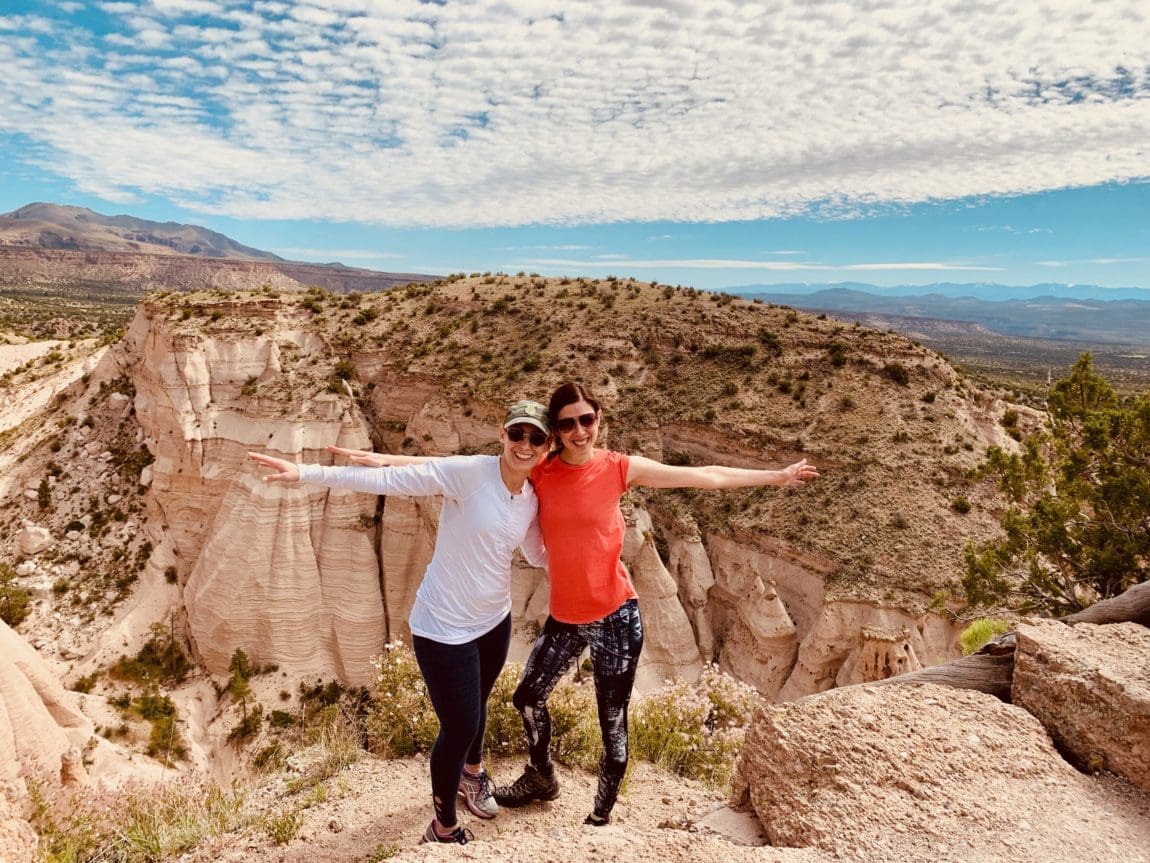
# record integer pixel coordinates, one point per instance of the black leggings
(615, 641)
(459, 679)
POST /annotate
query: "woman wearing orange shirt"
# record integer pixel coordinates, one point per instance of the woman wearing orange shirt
(593, 603)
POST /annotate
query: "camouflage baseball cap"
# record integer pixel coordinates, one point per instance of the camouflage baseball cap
(529, 412)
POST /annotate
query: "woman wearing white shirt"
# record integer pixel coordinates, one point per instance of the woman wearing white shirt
(461, 618)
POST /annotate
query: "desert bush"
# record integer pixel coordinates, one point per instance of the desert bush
(898, 373)
(504, 724)
(336, 735)
(283, 826)
(401, 721)
(694, 729)
(980, 632)
(14, 599)
(161, 659)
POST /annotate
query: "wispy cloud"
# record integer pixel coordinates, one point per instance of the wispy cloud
(338, 254)
(508, 112)
(1103, 262)
(616, 261)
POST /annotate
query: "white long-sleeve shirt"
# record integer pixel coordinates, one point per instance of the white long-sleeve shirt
(466, 588)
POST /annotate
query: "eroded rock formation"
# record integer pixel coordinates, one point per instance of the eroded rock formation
(1090, 687)
(41, 726)
(916, 772)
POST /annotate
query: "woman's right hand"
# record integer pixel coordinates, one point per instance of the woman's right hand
(285, 471)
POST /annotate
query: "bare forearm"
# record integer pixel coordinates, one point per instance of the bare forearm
(719, 476)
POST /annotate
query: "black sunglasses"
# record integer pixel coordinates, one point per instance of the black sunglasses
(515, 434)
(568, 423)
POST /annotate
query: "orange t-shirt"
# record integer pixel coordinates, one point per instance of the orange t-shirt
(583, 529)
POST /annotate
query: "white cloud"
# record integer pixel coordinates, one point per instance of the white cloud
(338, 254)
(608, 261)
(503, 112)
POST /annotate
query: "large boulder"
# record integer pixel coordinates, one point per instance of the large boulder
(1090, 686)
(906, 772)
(33, 539)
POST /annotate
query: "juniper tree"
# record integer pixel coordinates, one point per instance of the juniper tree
(1077, 528)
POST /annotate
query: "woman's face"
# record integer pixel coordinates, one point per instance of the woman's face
(523, 455)
(578, 428)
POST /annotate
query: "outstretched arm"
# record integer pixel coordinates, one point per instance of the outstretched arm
(445, 476)
(645, 471)
(363, 458)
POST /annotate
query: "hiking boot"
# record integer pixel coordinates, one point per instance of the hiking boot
(534, 784)
(460, 835)
(597, 820)
(476, 793)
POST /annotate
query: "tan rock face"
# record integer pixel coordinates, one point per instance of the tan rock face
(40, 721)
(837, 649)
(914, 772)
(288, 575)
(1089, 685)
(669, 649)
(18, 841)
(302, 578)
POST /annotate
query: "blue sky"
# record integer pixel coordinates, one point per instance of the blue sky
(690, 141)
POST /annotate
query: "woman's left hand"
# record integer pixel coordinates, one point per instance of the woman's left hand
(794, 475)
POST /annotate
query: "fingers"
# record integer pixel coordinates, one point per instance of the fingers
(286, 471)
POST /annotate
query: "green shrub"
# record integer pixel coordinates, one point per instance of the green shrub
(504, 723)
(161, 659)
(898, 373)
(14, 599)
(576, 740)
(960, 505)
(694, 729)
(980, 632)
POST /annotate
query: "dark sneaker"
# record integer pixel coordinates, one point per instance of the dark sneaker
(476, 793)
(460, 835)
(532, 785)
(597, 820)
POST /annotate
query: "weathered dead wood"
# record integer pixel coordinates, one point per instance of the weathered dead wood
(1132, 606)
(991, 669)
(992, 673)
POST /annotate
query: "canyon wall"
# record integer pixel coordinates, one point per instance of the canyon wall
(315, 581)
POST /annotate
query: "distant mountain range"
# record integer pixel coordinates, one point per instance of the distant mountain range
(53, 226)
(987, 291)
(1086, 313)
(77, 249)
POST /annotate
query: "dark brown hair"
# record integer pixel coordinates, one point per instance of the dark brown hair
(567, 394)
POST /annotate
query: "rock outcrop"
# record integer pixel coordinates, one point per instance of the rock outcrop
(917, 773)
(18, 841)
(1089, 685)
(289, 575)
(41, 725)
(856, 642)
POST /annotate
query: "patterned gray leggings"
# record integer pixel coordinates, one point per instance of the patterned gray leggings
(615, 641)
